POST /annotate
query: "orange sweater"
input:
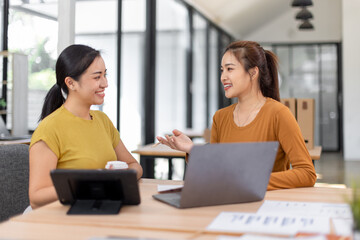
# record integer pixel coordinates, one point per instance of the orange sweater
(274, 122)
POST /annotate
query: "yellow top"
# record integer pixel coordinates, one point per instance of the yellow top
(78, 143)
(274, 122)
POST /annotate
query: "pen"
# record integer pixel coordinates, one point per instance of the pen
(156, 144)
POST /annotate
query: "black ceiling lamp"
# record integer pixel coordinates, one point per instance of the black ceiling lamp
(304, 14)
(301, 3)
(306, 25)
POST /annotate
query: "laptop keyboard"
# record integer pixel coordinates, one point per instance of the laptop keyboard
(173, 198)
(169, 198)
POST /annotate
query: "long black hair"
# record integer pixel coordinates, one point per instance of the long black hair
(251, 54)
(72, 62)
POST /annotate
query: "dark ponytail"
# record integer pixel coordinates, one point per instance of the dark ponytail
(72, 62)
(53, 100)
(251, 54)
(272, 89)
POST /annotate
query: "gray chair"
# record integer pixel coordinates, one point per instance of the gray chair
(14, 180)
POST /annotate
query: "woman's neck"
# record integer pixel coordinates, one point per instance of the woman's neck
(78, 109)
(248, 102)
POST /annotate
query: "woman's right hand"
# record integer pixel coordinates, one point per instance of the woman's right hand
(178, 141)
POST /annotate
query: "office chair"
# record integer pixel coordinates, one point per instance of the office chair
(14, 180)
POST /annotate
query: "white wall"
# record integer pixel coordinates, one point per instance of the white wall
(351, 78)
(284, 28)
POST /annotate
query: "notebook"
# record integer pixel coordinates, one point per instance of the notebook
(224, 173)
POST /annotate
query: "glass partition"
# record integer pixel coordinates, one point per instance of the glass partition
(329, 112)
(311, 71)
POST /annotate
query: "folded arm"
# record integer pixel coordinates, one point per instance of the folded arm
(302, 172)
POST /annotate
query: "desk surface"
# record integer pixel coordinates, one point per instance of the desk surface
(158, 150)
(191, 133)
(315, 153)
(152, 218)
(19, 141)
(163, 150)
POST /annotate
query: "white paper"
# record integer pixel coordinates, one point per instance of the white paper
(343, 227)
(166, 188)
(332, 210)
(269, 223)
(340, 213)
(262, 237)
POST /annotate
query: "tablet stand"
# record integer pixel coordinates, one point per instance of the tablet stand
(97, 207)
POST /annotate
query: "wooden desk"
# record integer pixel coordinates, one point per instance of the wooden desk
(315, 153)
(45, 231)
(163, 151)
(151, 218)
(191, 133)
(19, 141)
(160, 151)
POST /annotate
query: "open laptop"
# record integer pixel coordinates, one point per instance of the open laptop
(5, 134)
(224, 173)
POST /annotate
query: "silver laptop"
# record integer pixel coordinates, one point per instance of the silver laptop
(224, 173)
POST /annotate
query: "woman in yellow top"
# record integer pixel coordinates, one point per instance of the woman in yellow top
(250, 74)
(70, 135)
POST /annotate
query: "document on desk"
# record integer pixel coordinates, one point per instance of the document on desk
(332, 210)
(168, 188)
(340, 213)
(269, 223)
(288, 218)
(262, 237)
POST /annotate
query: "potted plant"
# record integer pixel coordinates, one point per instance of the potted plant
(2, 104)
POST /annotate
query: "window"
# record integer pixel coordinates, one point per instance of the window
(132, 55)
(170, 93)
(198, 87)
(171, 47)
(101, 35)
(213, 75)
(37, 23)
(1, 25)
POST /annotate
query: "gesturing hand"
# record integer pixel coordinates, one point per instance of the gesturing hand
(178, 141)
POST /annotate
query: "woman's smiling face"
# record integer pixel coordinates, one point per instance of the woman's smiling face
(235, 79)
(92, 83)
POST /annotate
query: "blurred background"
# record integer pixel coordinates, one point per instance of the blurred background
(163, 60)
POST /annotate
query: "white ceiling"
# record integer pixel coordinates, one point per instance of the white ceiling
(241, 17)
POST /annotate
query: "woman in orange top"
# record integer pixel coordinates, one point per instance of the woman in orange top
(250, 74)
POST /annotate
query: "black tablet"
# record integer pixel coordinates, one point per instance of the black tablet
(96, 191)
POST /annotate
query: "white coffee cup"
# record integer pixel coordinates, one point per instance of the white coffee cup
(116, 165)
